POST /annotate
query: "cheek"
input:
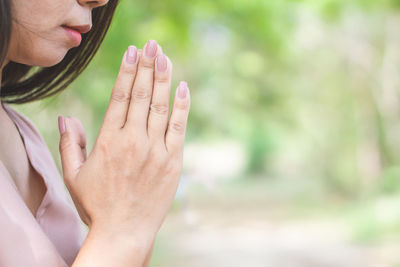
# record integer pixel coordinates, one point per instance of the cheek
(42, 49)
(37, 38)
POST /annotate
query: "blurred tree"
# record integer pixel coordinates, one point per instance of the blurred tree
(310, 84)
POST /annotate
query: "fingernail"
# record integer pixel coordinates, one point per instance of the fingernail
(61, 124)
(131, 56)
(151, 48)
(182, 91)
(162, 63)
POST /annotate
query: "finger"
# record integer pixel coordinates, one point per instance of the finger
(159, 107)
(176, 131)
(121, 94)
(77, 127)
(143, 88)
(72, 140)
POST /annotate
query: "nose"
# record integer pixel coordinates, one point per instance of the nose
(93, 3)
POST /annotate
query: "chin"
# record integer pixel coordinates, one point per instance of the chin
(49, 60)
(36, 57)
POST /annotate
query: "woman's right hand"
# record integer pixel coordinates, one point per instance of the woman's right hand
(127, 183)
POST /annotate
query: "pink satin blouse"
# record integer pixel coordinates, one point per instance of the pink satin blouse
(54, 236)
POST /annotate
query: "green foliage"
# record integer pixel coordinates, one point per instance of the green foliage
(390, 180)
(300, 83)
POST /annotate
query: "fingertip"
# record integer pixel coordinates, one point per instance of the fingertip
(131, 55)
(67, 123)
(183, 90)
(61, 125)
(162, 63)
(169, 62)
(160, 50)
(151, 48)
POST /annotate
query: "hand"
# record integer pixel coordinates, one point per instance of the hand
(129, 180)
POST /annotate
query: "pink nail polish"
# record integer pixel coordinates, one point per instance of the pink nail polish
(182, 91)
(61, 124)
(162, 63)
(151, 48)
(131, 55)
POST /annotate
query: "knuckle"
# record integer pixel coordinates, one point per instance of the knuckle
(147, 64)
(182, 105)
(140, 95)
(104, 142)
(65, 144)
(161, 109)
(129, 69)
(173, 168)
(137, 146)
(158, 159)
(177, 126)
(121, 96)
(130, 145)
(103, 146)
(162, 78)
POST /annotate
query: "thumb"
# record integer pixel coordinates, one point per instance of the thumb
(72, 146)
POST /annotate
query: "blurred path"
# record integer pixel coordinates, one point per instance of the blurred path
(219, 236)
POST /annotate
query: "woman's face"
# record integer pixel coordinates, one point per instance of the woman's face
(41, 33)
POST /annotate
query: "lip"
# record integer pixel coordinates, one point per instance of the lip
(80, 28)
(75, 32)
(74, 35)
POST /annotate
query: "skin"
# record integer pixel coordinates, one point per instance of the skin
(37, 37)
(124, 188)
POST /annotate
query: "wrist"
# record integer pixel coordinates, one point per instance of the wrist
(134, 246)
(139, 234)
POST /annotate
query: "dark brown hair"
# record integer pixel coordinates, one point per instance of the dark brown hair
(22, 83)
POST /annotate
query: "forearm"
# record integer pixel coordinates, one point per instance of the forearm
(105, 249)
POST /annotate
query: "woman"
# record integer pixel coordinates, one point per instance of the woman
(124, 188)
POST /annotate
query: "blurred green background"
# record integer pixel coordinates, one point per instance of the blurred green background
(292, 151)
